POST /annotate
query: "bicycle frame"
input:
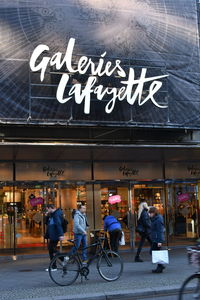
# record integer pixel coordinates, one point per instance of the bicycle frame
(100, 251)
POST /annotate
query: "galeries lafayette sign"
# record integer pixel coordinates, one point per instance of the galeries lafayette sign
(131, 89)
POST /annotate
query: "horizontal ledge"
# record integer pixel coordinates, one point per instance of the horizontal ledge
(93, 145)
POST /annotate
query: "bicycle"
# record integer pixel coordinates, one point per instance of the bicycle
(109, 265)
(191, 285)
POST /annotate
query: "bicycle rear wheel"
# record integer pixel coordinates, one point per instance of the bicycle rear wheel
(67, 270)
(190, 288)
(110, 265)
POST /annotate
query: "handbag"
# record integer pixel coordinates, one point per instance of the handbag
(160, 257)
(140, 229)
(122, 240)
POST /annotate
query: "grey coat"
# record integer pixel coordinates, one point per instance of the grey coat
(80, 223)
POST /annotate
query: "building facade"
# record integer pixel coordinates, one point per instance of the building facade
(98, 100)
(168, 177)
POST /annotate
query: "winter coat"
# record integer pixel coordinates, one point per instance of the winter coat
(80, 223)
(111, 223)
(54, 225)
(157, 229)
(144, 223)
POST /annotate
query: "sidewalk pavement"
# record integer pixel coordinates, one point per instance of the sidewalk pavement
(26, 279)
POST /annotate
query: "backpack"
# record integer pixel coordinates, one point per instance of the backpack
(64, 224)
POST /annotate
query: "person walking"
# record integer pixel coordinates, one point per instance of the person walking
(115, 231)
(80, 232)
(143, 228)
(157, 234)
(54, 232)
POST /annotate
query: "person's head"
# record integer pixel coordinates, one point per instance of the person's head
(82, 208)
(144, 205)
(50, 208)
(153, 211)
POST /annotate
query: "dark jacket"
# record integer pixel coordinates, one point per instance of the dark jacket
(111, 223)
(157, 229)
(54, 225)
(144, 222)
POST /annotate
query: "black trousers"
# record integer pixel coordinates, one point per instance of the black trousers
(144, 237)
(156, 248)
(52, 247)
(115, 236)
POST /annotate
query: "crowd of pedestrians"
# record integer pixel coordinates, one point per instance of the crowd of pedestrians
(150, 227)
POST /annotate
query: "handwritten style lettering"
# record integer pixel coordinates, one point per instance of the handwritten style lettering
(194, 170)
(128, 171)
(130, 91)
(53, 172)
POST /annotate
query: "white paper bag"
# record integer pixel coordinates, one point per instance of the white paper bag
(160, 257)
(122, 240)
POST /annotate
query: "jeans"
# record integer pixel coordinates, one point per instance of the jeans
(52, 247)
(115, 236)
(141, 243)
(80, 239)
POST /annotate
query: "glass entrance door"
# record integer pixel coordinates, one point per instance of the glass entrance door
(121, 211)
(22, 213)
(7, 216)
(153, 194)
(183, 213)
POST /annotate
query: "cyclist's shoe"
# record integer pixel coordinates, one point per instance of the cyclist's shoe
(85, 262)
(65, 260)
(52, 270)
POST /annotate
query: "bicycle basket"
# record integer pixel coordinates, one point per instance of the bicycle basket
(194, 256)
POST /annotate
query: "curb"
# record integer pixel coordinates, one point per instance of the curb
(8, 258)
(131, 294)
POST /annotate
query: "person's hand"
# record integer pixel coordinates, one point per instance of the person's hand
(85, 232)
(61, 238)
(159, 245)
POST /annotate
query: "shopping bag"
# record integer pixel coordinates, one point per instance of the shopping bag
(160, 257)
(122, 240)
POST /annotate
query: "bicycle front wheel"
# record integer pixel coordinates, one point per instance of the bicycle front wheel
(64, 270)
(190, 288)
(110, 265)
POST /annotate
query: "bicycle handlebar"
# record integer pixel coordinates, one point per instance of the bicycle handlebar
(97, 238)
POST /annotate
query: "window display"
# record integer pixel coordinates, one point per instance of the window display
(183, 212)
(153, 195)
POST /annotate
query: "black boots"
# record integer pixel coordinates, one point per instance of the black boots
(138, 259)
(159, 269)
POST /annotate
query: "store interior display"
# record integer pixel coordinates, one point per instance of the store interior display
(26, 206)
(152, 195)
(120, 209)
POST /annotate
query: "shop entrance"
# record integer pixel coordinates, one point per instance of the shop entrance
(22, 211)
(153, 194)
(183, 207)
(121, 211)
